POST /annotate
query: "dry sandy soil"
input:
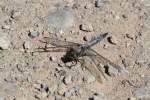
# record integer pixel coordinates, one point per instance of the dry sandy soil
(28, 75)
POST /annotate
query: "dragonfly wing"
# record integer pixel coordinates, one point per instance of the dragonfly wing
(98, 66)
(100, 59)
(59, 43)
(93, 70)
(51, 49)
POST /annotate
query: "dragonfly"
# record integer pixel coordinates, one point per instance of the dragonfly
(75, 51)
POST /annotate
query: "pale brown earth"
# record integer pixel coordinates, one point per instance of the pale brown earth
(33, 76)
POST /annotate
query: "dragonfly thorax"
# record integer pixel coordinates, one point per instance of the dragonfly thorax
(72, 55)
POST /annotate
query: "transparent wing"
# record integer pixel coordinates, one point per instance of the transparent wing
(51, 49)
(100, 59)
(94, 70)
(59, 43)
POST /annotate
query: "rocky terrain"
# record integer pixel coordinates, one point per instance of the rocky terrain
(29, 75)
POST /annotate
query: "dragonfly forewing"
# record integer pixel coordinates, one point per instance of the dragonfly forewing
(51, 49)
(59, 43)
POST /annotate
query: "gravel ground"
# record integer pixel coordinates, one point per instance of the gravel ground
(43, 76)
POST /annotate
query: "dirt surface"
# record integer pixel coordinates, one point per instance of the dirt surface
(28, 75)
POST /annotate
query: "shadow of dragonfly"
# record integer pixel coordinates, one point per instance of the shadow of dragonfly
(75, 52)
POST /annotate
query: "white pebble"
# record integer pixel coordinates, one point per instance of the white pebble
(58, 97)
(27, 45)
(113, 40)
(4, 42)
(86, 27)
(6, 27)
(68, 79)
(99, 3)
(132, 98)
(34, 34)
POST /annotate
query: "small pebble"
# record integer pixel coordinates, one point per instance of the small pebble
(58, 97)
(85, 38)
(68, 79)
(98, 3)
(86, 27)
(6, 27)
(95, 98)
(89, 78)
(68, 93)
(88, 6)
(111, 71)
(52, 58)
(33, 34)
(99, 93)
(112, 40)
(44, 95)
(72, 92)
(37, 86)
(15, 14)
(4, 43)
(132, 98)
(27, 45)
(130, 36)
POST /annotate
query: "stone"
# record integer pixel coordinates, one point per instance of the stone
(132, 98)
(89, 78)
(111, 71)
(95, 98)
(33, 34)
(68, 93)
(86, 27)
(58, 97)
(143, 92)
(112, 40)
(88, 6)
(61, 20)
(130, 36)
(52, 58)
(99, 93)
(4, 43)
(6, 27)
(99, 3)
(68, 79)
(27, 45)
(15, 14)
(73, 91)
